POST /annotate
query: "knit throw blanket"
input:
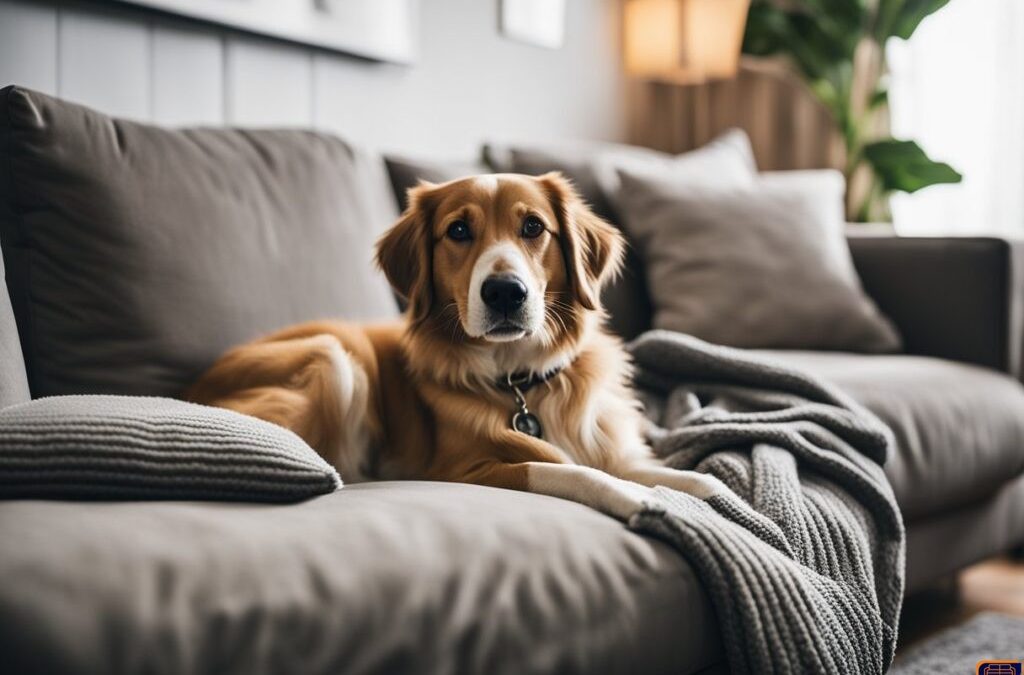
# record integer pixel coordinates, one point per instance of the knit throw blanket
(802, 549)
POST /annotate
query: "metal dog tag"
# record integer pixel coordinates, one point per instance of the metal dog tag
(524, 421)
(527, 423)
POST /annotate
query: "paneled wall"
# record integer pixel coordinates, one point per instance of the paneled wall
(468, 85)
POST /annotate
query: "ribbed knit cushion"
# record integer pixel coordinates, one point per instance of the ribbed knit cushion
(121, 447)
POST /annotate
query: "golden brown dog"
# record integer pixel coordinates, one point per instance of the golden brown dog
(501, 373)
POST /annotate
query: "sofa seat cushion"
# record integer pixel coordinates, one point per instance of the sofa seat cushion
(378, 577)
(959, 428)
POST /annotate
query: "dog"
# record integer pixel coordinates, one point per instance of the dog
(501, 372)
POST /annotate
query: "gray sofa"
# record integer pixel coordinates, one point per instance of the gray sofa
(121, 281)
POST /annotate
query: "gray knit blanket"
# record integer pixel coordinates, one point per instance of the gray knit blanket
(802, 550)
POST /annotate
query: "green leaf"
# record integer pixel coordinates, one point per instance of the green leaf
(815, 44)
(816, 47)
(900, 18)
(878, 99)
(904, 166)
(845, 17)
(768, 30)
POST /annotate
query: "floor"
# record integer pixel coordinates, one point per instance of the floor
(995, 585)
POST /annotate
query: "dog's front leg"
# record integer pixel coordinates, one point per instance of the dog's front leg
(652, 474)
(537, 467)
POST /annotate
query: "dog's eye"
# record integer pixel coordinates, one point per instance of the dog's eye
(532, 227)
(458, 230)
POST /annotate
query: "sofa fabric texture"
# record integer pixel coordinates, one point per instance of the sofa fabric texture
(136, 255)
(758, 267)
(133, 447)
(13, 380)
(944, 544)
(375, 578)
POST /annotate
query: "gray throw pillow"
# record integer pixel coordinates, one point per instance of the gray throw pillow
(137, 254)
(121, 447)
(592, 166)
(762, 266)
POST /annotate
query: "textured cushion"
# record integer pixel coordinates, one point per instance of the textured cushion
(592, 167)
(406, 173)
(760, 266)
(136, 254)
(13, 382)
(959, 428)
(375, 578)
(122, 447)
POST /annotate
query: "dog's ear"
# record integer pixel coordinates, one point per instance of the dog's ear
(593, 249)
(405, 255)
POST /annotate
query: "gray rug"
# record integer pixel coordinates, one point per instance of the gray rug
(957, 650)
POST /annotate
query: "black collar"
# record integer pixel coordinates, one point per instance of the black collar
(525, 381)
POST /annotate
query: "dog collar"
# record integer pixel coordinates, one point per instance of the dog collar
(525, 381)
(523, 420)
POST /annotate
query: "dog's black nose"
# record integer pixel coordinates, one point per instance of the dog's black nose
(503, 294)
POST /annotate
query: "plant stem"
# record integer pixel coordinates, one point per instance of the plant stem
(859, 122)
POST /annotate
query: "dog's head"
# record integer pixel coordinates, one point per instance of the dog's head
(503, 255)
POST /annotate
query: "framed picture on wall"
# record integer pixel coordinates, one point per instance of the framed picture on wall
(376, 29)
(537, 22)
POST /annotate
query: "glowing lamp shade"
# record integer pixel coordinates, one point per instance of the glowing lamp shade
(685, 41)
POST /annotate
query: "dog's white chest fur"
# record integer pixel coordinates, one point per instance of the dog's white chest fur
(606, 429)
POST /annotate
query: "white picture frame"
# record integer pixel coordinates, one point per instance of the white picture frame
(384, 30)
(536, 22)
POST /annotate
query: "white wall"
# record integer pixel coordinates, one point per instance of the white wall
(957, 88)
(468, 84)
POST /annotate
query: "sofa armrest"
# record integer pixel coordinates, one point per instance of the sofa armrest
(955, 298)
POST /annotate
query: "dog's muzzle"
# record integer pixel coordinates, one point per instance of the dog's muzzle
(503, 294)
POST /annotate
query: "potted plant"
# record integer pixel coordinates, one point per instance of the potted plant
(838, 48)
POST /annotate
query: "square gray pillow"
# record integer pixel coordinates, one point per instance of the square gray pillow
(137, 254)
(727, 159)
(761, 266)
(123, 447)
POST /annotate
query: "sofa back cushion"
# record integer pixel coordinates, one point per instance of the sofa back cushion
(138, 254)
(406, 173)
(13, 382)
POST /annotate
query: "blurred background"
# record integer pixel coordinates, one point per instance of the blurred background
(819, 83)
